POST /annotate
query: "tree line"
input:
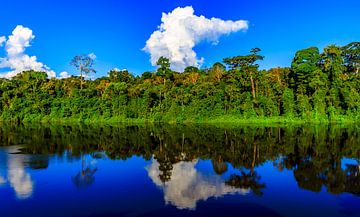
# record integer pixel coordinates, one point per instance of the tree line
(319, 87)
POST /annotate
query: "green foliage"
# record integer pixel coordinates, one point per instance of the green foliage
(304, 65)
(351, 55)
(289, 105)
(319, 87)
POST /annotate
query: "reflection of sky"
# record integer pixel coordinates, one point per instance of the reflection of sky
(17, 176)
(125, 188)
(188, 185)
(2, 180)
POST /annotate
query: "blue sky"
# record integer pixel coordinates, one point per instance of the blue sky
(117, 30)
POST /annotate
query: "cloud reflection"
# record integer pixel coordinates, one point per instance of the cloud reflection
(2, 180)
(17, 176)
(188, 185)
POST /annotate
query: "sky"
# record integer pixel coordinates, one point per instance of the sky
(46, 35)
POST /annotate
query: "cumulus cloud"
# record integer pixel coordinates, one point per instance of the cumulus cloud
(189, 185)
(64, 75)
(179, 33)
(19, 40)
(16, 59)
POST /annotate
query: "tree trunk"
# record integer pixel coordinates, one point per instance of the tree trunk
(252, 86)
(256, 88)
(160, 99)
(254, 160)
(164, 88)
(81, 79)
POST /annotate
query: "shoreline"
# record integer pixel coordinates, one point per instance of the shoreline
(221, 121)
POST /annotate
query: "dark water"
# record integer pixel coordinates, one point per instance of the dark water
(177, 171)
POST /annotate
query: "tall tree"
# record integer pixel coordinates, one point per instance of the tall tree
(84, 64)
(303, 66)
(247, 64)
(164, 68)
(217, 71)
(351, 55)
(163, 71)
(333, 65)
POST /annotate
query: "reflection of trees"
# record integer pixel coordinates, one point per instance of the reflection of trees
(165, 166)
(165, 163)
(220, 167)
(308, 177)
(39, 162)
(313, 153)
(352, 183)
(86, 176)
(249, 180)
(246, 180)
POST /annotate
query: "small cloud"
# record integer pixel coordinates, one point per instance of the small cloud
(16, 59)
(64, 75)
(87, 76)
(92, 56)
(119, 70)
(181, 30)
(116, 69)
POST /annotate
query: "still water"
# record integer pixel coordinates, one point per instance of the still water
(111, 171)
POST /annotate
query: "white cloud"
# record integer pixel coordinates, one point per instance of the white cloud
(19, 40)
(181, 30)
(16, 59)
(2, 40)
(92, 56)
(64, 75)
(118, 70)
(188, 185)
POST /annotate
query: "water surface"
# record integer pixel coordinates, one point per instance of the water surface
(175, 171)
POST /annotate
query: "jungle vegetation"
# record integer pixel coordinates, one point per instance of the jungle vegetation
(320, 86)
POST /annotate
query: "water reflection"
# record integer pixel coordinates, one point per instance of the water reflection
(86, 176)
(17, 176)
(188, 185)
(248, 180)
(2, 180)
(317, 158)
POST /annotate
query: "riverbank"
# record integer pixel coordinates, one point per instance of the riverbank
(219, 120)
